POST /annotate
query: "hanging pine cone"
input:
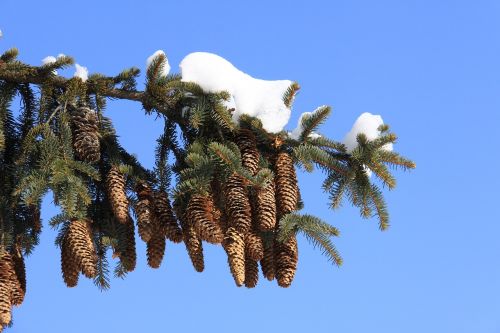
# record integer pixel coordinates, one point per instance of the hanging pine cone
(248, 148)
(166, 219)
(126, 243)
(238, 205)
(193, 244)
(8, 275)
(11, 292)
(194, 247)
(144, 210)
(19, 267)
(156, 250)
(200, 215)
(287, 190)
(254, 248)
(286, 256)
(69, 265)
(267, 262)
(265, 206)
(115, 183)
(251, 272)
(81, 246)
(234, 245)
(85, 129)
(5, 303)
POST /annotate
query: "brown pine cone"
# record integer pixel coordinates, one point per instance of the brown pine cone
(234, 245)
(254, 248)
(251, 272)
(238, 206)
(267, 262)
(85, 130)
(115, 183)
(265, 206)
(166, 219)
(5, 303)
(287, 190)
(194, 248)
(156, 250)
(286, 256)
(248, 148)
(69, 265)
(9, 277)
(200, 215)
(19, 267)
(144, 210)
(126, 243)
(81, 246)
(193, 244)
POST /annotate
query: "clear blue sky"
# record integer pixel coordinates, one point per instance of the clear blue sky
(430, 68)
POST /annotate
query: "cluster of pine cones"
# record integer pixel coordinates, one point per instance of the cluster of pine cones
(12, 283)
(241, 218)
(244, 220)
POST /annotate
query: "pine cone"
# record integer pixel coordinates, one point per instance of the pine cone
(265, 206)
(8, 275)
(69, 265)
(126, 243)
(254, 248)
(286, 256)
(234, 245)
(166, 218)
(156, 250)
(238, 205)
(5, 303)
(194, 248)
(267, 262)
(248, 148)
(19, 267)
(200, 215)
(251, 272)
(81, 246)
(115, 183)
(85, 129)
(287, 190)
(193, 244)
(144, 210)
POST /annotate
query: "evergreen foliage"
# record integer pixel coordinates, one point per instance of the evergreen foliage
(214, 179)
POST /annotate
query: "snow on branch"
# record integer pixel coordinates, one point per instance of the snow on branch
(262, 99)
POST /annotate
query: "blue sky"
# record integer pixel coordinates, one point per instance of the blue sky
(430, 68)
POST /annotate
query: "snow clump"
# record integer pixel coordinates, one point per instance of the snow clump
(262, 99)
(368, 124)
(81, 72)
(166, 66)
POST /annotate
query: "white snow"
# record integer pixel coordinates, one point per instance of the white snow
(166, 65)
(1, 34)
(258, 98)
(60, 55)
(314, 135)
(295, 134)
(81, 72)
(368, 124)
(368, 171)
(49, 60)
